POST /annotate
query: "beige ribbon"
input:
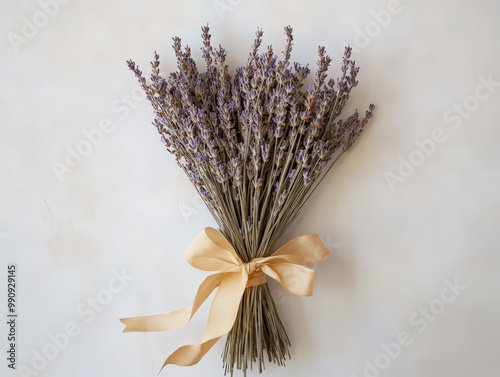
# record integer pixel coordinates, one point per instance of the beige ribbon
(211, 251)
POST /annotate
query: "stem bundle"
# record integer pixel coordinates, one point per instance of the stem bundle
(255, 146)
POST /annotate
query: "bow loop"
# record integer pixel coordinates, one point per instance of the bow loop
(211, 251)
(255, 274)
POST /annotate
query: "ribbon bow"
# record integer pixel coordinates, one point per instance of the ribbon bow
(211, 251)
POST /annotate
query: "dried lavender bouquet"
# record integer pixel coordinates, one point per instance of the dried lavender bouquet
(255, 145)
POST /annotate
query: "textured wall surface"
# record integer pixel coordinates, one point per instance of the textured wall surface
(95, 214)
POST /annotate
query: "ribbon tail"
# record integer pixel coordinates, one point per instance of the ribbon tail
(189, 355)
(223, 312)
(176, 318)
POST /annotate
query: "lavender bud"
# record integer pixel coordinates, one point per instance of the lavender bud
(307, 178)
(257, 182)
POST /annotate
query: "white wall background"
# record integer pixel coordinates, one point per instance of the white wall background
(126, 208)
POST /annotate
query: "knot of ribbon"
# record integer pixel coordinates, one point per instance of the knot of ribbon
(211, 251)
(255, 274)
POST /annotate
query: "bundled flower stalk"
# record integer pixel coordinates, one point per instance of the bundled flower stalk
(255, 145)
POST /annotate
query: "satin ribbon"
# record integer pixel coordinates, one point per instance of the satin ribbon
(211, 251)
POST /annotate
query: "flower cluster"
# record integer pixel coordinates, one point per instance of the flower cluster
(253, 144)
